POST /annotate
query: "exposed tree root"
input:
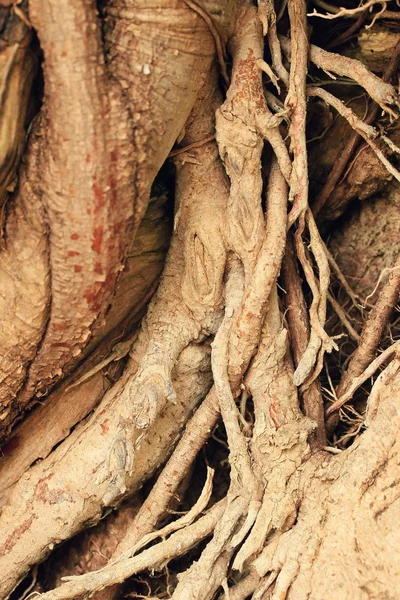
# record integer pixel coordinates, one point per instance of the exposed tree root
(147, 380)
(366, 131)
(17, 70)
(352, 142)
(382, 92)
(177, 544)
(358, 381)
(299, 335)
(294, 521)
(70, 403)
(361, 364)
(89, 175)
(373, 329)
(195, 435)
(77, 239)
(302, 562)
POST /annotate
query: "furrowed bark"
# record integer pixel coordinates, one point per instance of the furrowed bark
(186, 307)
(85, 189)
(69, 490)
(359, 489)
(96, 172)
(53, 419)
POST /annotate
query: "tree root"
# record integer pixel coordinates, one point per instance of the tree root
(179, 543)
(382, 92)
(70, 253)
(276, 532)
(367, 132)
(351, 144)
(361, 364)
(373, 329)
(143, 392)
(301, 562)
(297, 317)
(358, 381)
(287, 557)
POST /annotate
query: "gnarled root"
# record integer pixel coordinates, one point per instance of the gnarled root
(276, 532)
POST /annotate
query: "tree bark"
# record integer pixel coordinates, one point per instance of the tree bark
(197, 364)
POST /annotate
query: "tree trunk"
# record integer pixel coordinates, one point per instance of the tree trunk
(199, 278)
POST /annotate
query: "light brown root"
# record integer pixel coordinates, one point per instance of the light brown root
(138, 400)
(238, 455)
(196, 433)
(310, 364)
(267, 16)
(279, 442)
(347, 12)
(248, 322)
(92, 173)
(356, 382)
(340, 164)
(241, 500)
(296, 102)
(245, 232)
(303, 559)
(287, 499)
(243, 589)
(367, 132)
(319, 342)
(206, 575)
(220, 47)
(242, 123)
(179, 543)
(183, 521)
(382, 92)
(297, 317)
(372, 331)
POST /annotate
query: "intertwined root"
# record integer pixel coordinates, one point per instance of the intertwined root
(221, 281)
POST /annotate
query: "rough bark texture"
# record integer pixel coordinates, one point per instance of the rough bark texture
(199, 355)
(66, 406)
(90, 167)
